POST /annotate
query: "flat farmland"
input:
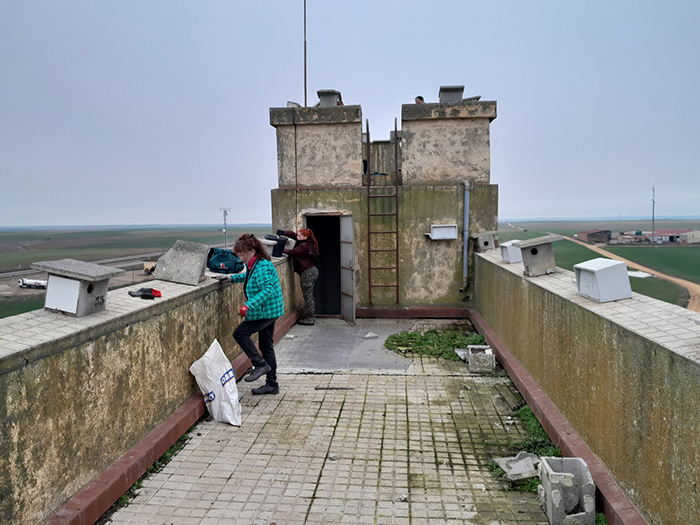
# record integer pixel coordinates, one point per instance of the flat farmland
(20, 248)
(570, 228)
(567, 253)
(680, 261)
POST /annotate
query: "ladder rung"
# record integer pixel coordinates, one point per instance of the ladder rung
(382, 195)
(382, 214)
(389, 231)
(383, 268)
(383, 249)
(384, 285)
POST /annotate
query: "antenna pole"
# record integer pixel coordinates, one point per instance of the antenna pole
(305, 101)
(225, 210)
(653, 204)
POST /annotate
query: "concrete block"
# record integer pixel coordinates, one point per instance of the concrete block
(184, 263)
(522, 470)
(567, 491)
(485, 241)
(538, 256)
(521, 467)
(449, 94)
(481, 359)
(511, 253)
(328, 98)
(77, 287)
(603, 280)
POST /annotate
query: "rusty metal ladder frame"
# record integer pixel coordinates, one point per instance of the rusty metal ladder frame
(395, 214)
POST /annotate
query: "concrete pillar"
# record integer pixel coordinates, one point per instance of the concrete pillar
(447, 143)
(319, 146)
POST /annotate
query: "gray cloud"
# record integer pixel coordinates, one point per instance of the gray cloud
(157, 112)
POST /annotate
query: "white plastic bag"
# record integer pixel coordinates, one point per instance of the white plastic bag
(217, 380)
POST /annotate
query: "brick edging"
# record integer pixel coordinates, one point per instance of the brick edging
(88, 505)
(617, 508)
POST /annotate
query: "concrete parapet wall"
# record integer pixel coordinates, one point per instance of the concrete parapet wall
(76, 393)
(625, 374)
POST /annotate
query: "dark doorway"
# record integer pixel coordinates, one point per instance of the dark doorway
(326, 229)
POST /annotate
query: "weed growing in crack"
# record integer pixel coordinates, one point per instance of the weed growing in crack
(538, 441)
(434, 343)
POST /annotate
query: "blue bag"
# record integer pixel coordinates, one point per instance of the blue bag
(224, 261)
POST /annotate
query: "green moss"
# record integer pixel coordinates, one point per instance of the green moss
(432, 342)
(538, 441)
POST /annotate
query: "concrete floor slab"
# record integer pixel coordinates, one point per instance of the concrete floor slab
(356, 435)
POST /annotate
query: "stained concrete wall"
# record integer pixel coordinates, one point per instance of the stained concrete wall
(318, 146)
(383, 158)
(320, 152)
(74, 403)
(430, 272)
(446, 143)
(626, 375)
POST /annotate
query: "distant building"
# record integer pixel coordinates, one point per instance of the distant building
(691, 237)
(632, 238)
(660, 236)
(595, 236)
(668, 235)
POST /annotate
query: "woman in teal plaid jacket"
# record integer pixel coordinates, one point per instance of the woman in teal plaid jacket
(264, 304)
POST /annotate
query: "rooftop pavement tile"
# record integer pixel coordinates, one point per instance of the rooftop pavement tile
(384, 434)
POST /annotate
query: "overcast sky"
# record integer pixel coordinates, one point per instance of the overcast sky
(157, 112)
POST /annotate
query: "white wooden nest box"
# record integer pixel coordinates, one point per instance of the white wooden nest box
(603, 280)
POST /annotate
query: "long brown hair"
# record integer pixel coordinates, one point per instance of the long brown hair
(311, 238)
(249, 242)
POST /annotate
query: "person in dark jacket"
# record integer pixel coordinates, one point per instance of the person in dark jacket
(304, 256)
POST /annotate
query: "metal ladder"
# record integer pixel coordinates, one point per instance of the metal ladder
(381, 198)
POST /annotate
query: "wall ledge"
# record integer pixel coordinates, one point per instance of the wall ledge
(28, 337)
(625, 375)
(668, 325)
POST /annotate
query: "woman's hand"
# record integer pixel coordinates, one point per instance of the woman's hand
(243, 311)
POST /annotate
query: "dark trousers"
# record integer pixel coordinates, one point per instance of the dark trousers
(307, 280)
(265, 328)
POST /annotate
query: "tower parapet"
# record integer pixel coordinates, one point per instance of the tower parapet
(318, 146)
(447, 143)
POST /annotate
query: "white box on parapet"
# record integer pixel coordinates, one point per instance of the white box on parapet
(603, 280)
(510, 253)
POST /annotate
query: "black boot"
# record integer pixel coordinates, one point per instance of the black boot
(266, 389)
(257, 373)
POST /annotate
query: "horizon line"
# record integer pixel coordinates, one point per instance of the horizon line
(269, 224)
